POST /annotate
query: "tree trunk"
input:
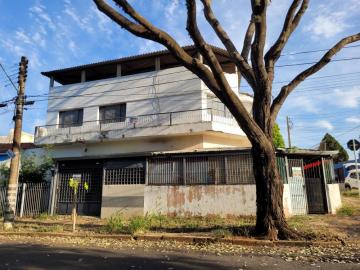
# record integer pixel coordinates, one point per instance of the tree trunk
(270, 218)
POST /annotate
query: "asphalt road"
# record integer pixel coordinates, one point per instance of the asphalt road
(26, 256)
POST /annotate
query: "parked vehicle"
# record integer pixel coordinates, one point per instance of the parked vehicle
(351, 181)
(342, 170)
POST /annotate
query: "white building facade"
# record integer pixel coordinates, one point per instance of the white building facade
(106, 120)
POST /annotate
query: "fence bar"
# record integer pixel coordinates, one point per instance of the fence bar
(22, 199)
(53, 190)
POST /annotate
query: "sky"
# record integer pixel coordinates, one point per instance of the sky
(63, 33)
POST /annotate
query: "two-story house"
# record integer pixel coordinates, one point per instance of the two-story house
(145, 134)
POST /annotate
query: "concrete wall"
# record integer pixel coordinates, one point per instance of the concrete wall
(222, 140)
(334, 197)
(287, 201)
(222, 200)
(125, 199)
(115, 148)
(230, 200)
(149, 144)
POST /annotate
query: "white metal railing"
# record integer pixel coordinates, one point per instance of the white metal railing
(140, 121)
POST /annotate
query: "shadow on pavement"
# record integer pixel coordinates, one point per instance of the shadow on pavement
(21, 256)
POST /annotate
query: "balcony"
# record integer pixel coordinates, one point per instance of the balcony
(161, 124)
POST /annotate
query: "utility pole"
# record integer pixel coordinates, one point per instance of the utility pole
(12, 187)
(356, 166)
(289, 126)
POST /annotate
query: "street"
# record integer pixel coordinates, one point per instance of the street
(17, 255)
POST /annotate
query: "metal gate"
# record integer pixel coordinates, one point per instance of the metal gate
(315, 188)
(297, 187)
(89, 201)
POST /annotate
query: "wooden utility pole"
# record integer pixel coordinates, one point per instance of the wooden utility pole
(289, 126)
(11, 193)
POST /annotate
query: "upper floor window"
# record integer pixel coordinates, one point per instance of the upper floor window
(113, 113)
(71, 118)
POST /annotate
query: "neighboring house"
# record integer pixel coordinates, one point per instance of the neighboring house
(28, 148)
(25, 137)
(110, 122)
(27, 141)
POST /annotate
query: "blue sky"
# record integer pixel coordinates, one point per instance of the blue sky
(63, 33)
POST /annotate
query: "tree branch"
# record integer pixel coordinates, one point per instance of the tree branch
(259, 8)
(287, 89)
(249, 35)
(291, 22)
(227, 96)
(238, 59)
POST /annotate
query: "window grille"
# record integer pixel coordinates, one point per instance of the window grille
(201, 170)
(163, 171)
(124, 173)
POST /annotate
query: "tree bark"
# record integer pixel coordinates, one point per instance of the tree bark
(270, 217)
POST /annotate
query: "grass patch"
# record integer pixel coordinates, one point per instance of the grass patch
(139, 224)
(44, 216)
(222, 233)
(115, 224)
(345, 211)
(55, 228)
(351, 193)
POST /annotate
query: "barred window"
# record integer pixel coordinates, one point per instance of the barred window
(124, 173)
(166, 171)
(201, 170)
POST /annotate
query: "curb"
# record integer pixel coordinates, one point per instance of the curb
(184, 239)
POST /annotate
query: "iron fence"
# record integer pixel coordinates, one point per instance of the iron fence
(329, 170)
(2, 199)
(32, 199)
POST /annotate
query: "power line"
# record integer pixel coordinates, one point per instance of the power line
(144, 86)
(315, 51)
(340, 134)
(8, 77)
(311, 63)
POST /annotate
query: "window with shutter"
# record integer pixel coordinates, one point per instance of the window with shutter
(71, 118)
(113, 113)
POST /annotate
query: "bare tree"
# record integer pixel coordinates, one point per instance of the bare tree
(259, 74)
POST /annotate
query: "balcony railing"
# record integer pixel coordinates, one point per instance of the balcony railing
(140, 121)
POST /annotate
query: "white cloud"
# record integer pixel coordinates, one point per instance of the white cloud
(149, 46)
(39, 11)
(331, 19)
(345, 98)
(22, 37)
(171, 9)
(39, 39)
(103, 22)
(353, 120)
(83, 22)
(304, 103)
(327, 25)
(324, 124)
(72, 46)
